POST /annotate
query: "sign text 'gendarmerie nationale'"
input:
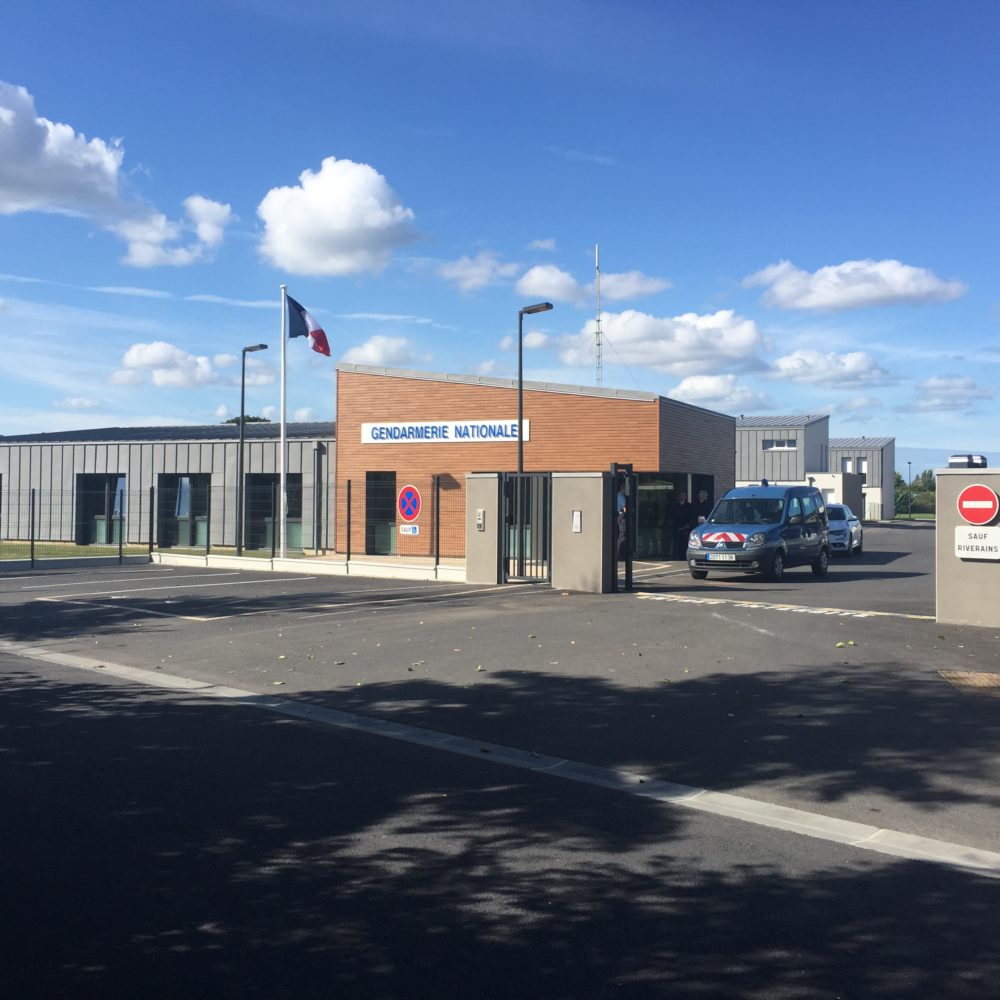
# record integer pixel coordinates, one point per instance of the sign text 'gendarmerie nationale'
(977, 543)
(443, 431)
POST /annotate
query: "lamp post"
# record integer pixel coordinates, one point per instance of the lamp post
(538, 307)
(239, 455)
(909, 492)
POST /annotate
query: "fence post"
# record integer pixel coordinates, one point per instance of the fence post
(208, 524)
(31, 526)
(437, 523)
(122, 524)
(274, 515)
(151, 520)
(348, 520)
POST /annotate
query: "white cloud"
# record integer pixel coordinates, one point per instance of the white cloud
(549, 283)
(809, 367)
(125, 376)
(689, 344)
(141, 293)
(535, 340)
(167, 365)
(630, 285)
(303, 413)
(242, 303)
(225, 360)
(469, 274)
(149, 236)
(720, 392)
(582, 156)
(269, 412)
(855, 405)
(221, 412)
(343, 219)
(487, 367)
(547, 244)
(942, 393)
(49, 167)
(388, 352)
(851, 285)
(76, 403)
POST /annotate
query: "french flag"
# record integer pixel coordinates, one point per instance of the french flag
(302, 324)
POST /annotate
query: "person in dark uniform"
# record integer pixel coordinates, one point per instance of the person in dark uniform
(703, 507)
(683, 523)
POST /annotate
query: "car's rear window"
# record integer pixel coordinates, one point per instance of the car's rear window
(752, 510)
(836, 513)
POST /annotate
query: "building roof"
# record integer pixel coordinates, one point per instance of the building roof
(500, 383)
(860, 442)
(511, 383)
(782, 420)
(257, 431)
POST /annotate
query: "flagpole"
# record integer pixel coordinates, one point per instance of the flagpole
(281, 476)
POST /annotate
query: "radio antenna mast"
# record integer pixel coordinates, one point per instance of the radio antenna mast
(597, 333)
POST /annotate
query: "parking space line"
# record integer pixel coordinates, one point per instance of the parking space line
(772, 606)
(140, 579)
(860, 836)
(189, 586)
(83, 605)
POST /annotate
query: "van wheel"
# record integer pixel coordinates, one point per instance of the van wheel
(699, 574)
(822, 564)
(777, 568)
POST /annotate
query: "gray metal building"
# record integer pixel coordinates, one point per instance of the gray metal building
(172, 485)
(874, 459)
(781, 448)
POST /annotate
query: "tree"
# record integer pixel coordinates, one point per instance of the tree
(248, 420)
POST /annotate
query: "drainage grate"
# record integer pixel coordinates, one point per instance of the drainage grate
(976, 682)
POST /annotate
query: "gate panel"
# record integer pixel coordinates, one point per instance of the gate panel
(527, 537)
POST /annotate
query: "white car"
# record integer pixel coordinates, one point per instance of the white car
(846, 534)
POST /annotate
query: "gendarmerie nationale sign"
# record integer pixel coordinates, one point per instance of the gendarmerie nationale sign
(444, 431)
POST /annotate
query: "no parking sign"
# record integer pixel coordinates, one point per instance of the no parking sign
(408, 503)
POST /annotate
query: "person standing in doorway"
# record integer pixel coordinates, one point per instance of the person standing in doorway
(683, 523)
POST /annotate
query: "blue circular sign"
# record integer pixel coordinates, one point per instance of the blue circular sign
(409, 503)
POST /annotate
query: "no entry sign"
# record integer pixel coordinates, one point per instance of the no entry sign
(978, 504)
(408, 503)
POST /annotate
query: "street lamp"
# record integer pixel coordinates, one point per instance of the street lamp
(538, 307)
(909, 492)
(239, 456)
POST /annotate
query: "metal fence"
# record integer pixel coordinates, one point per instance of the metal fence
(395, 517)
(421, 518)
(185, 515)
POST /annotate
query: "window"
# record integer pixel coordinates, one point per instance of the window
(809, 507)
(847, 465)
(863, 469)
(779, 444)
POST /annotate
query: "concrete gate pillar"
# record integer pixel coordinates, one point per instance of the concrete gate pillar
(967, 577)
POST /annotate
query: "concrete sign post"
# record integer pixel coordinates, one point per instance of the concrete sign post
(968, 547)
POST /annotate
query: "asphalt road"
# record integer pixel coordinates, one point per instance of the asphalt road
(169, 842)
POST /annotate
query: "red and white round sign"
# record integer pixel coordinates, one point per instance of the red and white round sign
(978, 504)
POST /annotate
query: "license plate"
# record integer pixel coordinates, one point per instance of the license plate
(720, 556)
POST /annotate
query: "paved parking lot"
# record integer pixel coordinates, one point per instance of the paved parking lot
(822, 694)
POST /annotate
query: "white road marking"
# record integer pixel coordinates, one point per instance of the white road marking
(140, 579)
(838, 831)
(189, 586)
(733, 621)
(771, 606)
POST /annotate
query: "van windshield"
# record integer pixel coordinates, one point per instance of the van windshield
(752, 510)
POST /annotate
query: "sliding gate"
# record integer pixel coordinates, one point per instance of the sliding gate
(527, 535)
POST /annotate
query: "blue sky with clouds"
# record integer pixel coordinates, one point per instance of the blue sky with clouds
(796, 204)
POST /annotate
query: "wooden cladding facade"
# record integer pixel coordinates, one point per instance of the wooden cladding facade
(570, 429)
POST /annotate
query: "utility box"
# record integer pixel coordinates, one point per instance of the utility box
(967, 578)
(581, 532)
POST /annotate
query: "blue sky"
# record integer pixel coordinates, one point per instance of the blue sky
(796, 204)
